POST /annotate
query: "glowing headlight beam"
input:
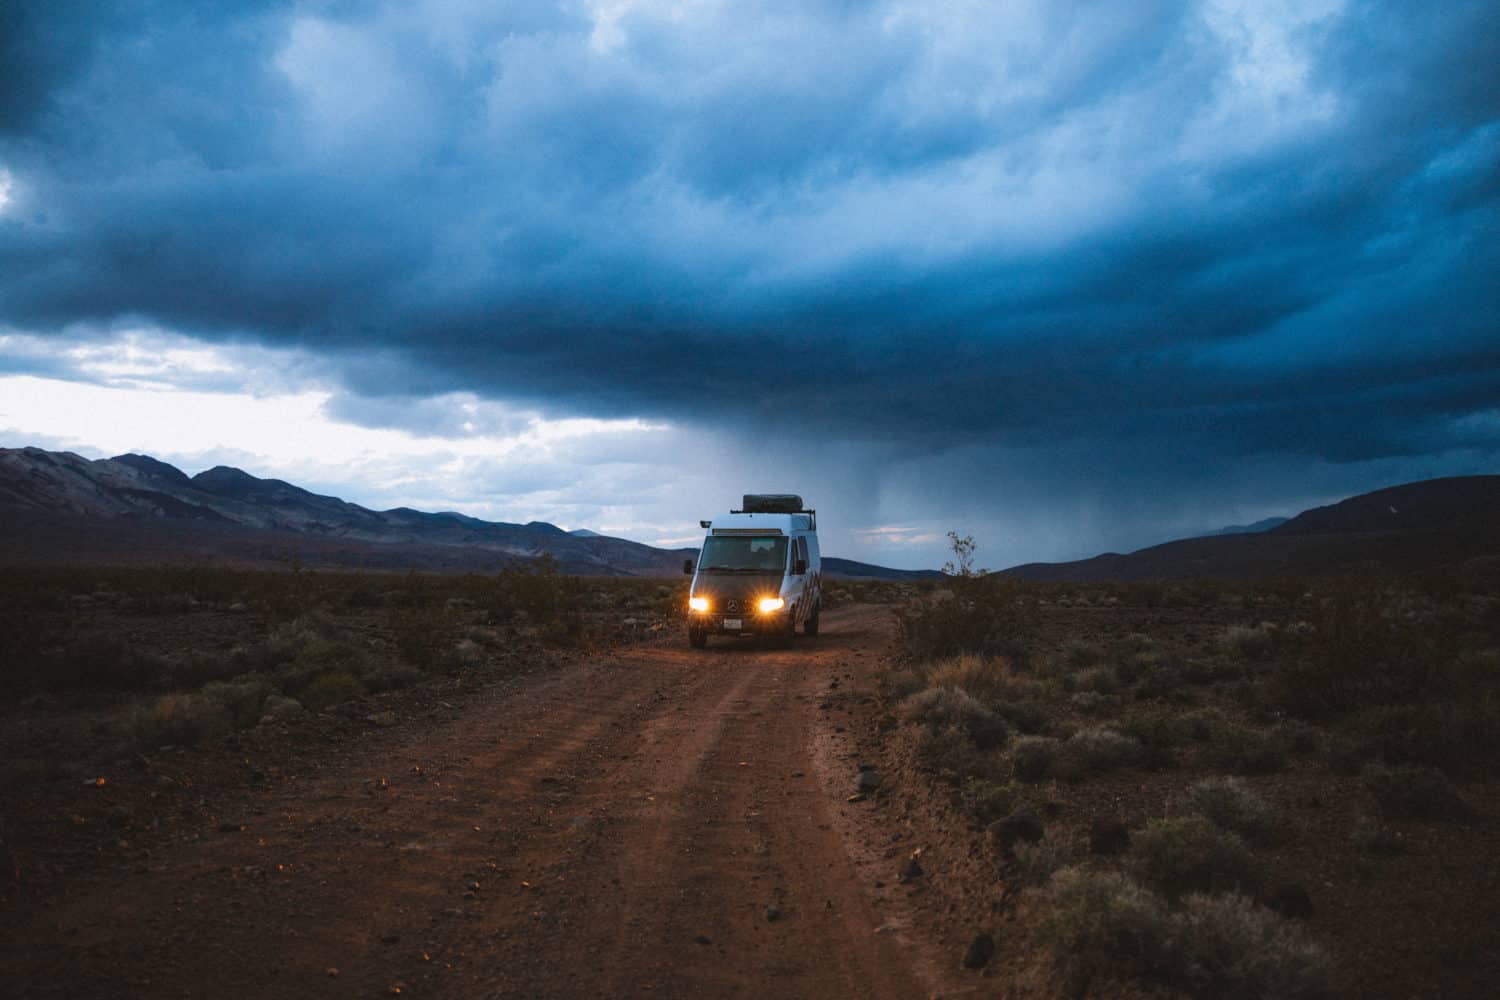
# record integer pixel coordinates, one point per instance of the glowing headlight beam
(769, 604)
(698, 603)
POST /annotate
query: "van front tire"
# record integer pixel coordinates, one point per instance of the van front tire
(810, 626)
(697, 638)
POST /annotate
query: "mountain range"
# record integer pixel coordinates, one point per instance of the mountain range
(58, 507)
(1436, 524)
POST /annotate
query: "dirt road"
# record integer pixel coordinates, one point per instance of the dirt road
(656, 822)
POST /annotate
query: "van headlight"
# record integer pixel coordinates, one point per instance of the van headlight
(769, 604)
(698, 603)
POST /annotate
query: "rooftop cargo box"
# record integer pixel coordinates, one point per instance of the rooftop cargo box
(772, 503)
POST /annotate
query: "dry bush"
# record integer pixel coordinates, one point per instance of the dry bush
(1033, 865)
(1097, 749)
(988, 800)
(987, 615)
(1242, 750)
(1413, 792)
(986, 678)
(1249, 642)
(1190, 854)
(1103, 925)
(1230, 805)
(1227, 947)
(242, 698)
(1034, 758)
(944, 707)
(898, 685)
(1371, 836)
(330, 688)
(181, 720)
(948, 753)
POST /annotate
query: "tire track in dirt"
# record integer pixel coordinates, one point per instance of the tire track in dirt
(614, 815)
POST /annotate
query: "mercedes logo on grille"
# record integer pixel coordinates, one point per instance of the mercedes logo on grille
(732, 605)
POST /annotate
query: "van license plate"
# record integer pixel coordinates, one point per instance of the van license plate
(732, 623)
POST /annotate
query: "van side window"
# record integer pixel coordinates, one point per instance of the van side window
(802, 550)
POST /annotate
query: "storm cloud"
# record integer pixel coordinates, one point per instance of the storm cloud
(1061, 269)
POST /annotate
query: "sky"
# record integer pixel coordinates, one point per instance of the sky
(1067, 277)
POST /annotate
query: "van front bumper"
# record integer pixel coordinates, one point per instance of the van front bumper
(752, 624)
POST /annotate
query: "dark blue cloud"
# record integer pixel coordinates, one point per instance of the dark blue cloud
(1184, 235)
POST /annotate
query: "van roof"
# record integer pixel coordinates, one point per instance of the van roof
(767, 524)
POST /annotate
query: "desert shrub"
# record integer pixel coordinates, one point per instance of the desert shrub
(181, 720)
(1190, 854)
(1100, 680)
(1298, 737)
(1229, 805)
(1365, 645)
(985, 615)
(391, 677)
(1413, 792)
(986, 678)
(330, 688)
(318, 657)
(1249, 643)
(1097, 749)
(423, 635)
(1102, 925)
(1094, 703)
(1462, 734)
(948, 753)
(94, 665)
(1029, 715)
(241, 698)
(1079, 653)
(1033, 758)
(1242, 750)
(1371, 836)
(943, 707)
(1033, 865)
(1227, 947)
(988, 800)
(1162, 682)
(898, 685)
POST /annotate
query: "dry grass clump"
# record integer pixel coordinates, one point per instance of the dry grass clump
(986, 678)
(1034, 758)
(988, 800)
(1249, 642)
(181, 720)
(1103, 926)
(1096, 749)
(1243, 750)
(944, 707)
(1413, 792)
(1190, 854)
(948, 753)
(243, 698)
(1226, 946)
(1230, 805)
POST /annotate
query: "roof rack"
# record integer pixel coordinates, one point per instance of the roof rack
(777, 503)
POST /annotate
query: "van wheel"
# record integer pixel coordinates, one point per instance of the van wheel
(697, 638)
(810, 627)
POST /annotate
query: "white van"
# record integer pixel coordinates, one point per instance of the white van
(758, 573)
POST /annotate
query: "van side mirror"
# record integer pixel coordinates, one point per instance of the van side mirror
(687, 567)
(799, 567)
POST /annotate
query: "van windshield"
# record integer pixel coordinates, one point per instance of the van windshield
(743, 554)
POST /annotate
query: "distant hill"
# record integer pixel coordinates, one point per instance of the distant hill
(1264, 524)
(1428, 525)
(58, 507)
(848, 569)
